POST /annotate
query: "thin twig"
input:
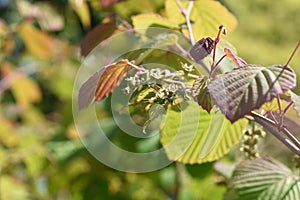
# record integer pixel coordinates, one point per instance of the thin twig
(182, 50)
(287, 107)
(269, 125)
(180, 175)
(188, 21)
(135, 66)
(293, 53)
(265, 122)
(186, 13)
(216, 41)
(279, 103)
(213, 68)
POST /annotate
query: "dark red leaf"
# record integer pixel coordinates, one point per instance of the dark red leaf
(244, 89)
(202, 48)
(200, 94)
(97, 35)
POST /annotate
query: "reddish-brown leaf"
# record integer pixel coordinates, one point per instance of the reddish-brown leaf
(97, 35)
(237, 60)
(103, 82)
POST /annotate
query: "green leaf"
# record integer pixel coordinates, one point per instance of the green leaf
(214, 138)
(265, 178)
(200, 94)
(142, 21)
(296, 100)
(244, 89)
(206, 16)
(65, 149)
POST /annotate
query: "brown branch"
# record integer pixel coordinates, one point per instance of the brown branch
(270, 126)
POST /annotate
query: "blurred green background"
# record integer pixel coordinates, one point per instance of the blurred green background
(41, 156)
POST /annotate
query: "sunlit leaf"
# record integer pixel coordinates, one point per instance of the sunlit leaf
(200, 94)
(97, 35)
(128, 8)
(12, 188)
(265, 178)
(8, 136)
(102, 83)
(151, 20)
(35, 163)
(244, 89)
(26, 91)
(215, 135)
(7, 42)
(296, 100)
(37, 42)
(82, 10)
(206, 17)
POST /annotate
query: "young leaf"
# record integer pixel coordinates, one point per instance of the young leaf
(202, 48)
(200, 94)
(244, 89)
(215, 135)
(237, 60)
(296, 100)
(102, 83)
(265, 178)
